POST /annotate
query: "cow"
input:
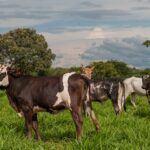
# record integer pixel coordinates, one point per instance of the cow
(146, 85)
(29, 95)
(104, 89)
(133, 87)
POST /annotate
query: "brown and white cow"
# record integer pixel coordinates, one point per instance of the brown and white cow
(29, 95)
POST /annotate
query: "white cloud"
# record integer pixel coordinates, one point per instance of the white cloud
(89, 44)
(79, 25)
(19, 22)
(129, 50)
(69, 45)
(97, 33)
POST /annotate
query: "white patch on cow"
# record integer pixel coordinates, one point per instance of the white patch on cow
(5, 81)
(92, 87)
(98, 86)
(37, 109)
(111, 88)
(64, 95)
(20, 114)
(87, 107)
(133, 85)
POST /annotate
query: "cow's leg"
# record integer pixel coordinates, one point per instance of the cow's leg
(28, 123)
(148, 97)
(35, 126)
(133, 99)
(15, 106)
(89, 111)
(127, 93)
(77, 117)
(93, 117)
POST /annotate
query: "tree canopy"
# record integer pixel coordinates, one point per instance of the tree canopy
(25, 49)
(146, 43)
(111, 69)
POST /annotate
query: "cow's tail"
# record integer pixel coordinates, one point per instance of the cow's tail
(87, 106)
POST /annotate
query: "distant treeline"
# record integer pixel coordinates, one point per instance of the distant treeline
(108, 69)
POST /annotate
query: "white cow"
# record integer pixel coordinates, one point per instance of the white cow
(133, 86)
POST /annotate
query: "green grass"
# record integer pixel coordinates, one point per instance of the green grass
(128, 131)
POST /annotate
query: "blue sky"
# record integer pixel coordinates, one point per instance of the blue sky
(83, 31)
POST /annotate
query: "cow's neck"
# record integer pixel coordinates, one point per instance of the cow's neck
(11, 80)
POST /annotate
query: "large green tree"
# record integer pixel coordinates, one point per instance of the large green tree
(25, 49)
(122, 68)
(111, 69)
(104, 70)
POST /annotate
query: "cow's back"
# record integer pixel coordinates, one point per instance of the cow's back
(134, 85)
(41, 90)
(137, 86)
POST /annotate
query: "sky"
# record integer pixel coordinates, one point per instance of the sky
(85, 31)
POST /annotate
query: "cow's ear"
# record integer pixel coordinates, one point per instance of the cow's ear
(92, 68)
(82, 68)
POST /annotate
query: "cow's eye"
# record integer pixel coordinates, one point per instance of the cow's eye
(2, 75)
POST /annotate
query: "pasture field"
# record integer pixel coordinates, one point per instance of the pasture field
(128, 131)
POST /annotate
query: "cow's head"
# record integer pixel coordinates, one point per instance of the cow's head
(146, 85)
(146, 82)
(87, 71)
(5, 71)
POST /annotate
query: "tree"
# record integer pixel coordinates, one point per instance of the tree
(25, 49)
(104, 70)
(111, 69)
(122, 68)
(146, 43)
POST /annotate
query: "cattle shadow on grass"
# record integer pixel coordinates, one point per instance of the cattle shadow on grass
(57, 129)
(62, 136)
(142, 113)
(60, 131)
(48, 134)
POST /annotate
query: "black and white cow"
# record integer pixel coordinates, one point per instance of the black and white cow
(104, 89)
(101, 90)
(29, 95)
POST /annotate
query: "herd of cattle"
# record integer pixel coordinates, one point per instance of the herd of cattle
(29, 95)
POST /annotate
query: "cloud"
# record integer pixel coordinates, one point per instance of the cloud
(97, 33)
(84, 46)
(129, 50)
(21, 22)
(101, 33)
(77, 31)
(143, 8)
(98, 13)
(90, 4)
(54, 15)
(68, 49)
